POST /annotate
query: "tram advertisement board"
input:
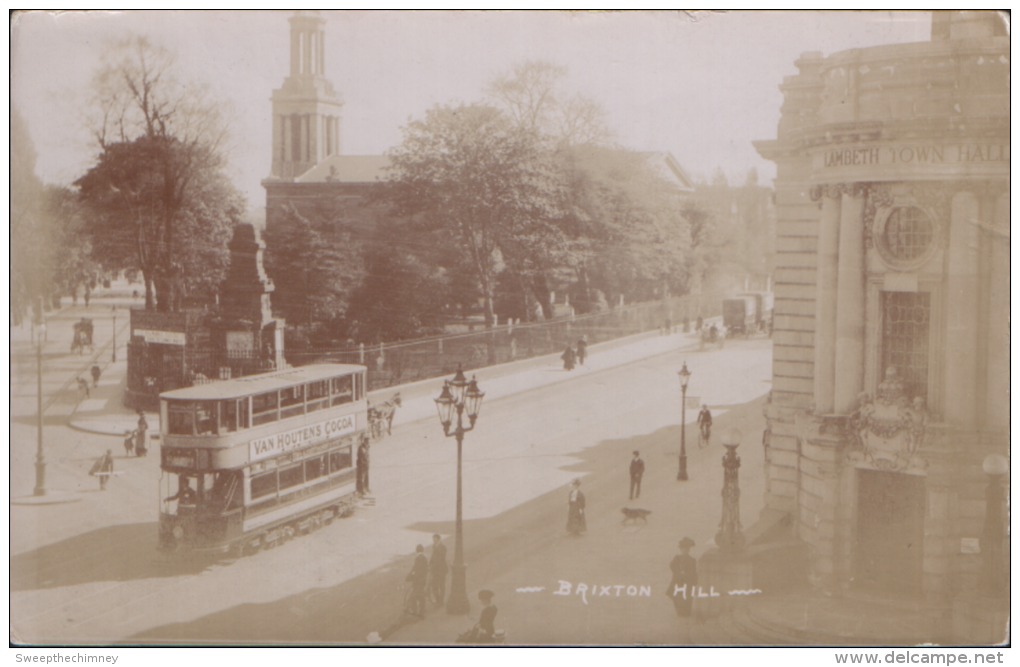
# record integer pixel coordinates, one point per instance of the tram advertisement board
(306, 436)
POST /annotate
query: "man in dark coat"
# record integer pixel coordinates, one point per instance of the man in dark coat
(362, 466)
(685, 576)
(704, 424)
(141, 444)
(569, 358)
(582, 349)
(418, 577)
(437, 571)
(637, 470)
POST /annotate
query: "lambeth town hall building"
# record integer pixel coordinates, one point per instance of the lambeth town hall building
(888, 422)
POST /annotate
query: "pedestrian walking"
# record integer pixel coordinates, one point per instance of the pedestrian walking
(362, 467)
(418, 578)
(437, 571)
(96, 372)
(83, 389)
(129, 443)
(569, 358)
(582, 349)
(637, 471)
(103, 469)
(577, 524)
(704, 426)
(141, 434)
(685, 578)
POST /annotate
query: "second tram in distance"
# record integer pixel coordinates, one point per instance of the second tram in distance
(247, 463)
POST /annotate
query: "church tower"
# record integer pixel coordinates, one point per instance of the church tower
(306, 108)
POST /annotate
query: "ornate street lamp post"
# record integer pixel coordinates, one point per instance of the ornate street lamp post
(995, 467)
(730, 536)
(461, 397)
(685, 376)
(40, 460)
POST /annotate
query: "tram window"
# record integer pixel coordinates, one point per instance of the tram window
(263, 407)
(340, 459)
(205, 418)
(318, 395)
(343, 389)
(315, 467)
(263, 485)
(359, 386)
(182, 419)
(242, 413)
(292, 476)
(228, 415)
(292, 401)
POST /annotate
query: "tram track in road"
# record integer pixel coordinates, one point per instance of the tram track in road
(310, 571)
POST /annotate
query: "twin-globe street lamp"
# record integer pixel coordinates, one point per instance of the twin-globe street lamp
(685, 376)
(462, 397)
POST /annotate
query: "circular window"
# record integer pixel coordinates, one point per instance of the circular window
(907, 236)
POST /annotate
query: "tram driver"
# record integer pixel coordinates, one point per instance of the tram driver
(186, 496)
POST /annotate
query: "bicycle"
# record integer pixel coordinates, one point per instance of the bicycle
(704, 435)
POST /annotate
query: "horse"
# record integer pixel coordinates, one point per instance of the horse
(383, 413)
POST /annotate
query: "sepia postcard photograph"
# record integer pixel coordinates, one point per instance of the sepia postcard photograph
(465, 329)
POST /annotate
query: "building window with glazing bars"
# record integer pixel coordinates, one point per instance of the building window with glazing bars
(905, 329)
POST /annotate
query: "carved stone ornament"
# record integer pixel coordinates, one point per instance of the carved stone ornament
(889, 430)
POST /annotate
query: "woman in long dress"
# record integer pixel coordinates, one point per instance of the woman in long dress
(576, 523)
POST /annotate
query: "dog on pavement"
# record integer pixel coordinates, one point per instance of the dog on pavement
(634, 514)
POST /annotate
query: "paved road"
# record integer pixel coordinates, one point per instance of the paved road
(99, 580)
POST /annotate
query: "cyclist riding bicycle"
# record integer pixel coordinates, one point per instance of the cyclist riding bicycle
(705, 425)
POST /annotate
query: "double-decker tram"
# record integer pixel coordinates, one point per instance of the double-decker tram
(248, 462)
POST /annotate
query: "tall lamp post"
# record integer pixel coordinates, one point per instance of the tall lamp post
(40, 460)
(731, 535)
(461, 397)
(685, 376)
(995, 467)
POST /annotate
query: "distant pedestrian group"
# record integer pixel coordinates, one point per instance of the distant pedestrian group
(571, 357)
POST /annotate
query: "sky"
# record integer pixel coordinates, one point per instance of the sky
(700, 85)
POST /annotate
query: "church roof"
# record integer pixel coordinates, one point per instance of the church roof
(666, 166)
(347, 169)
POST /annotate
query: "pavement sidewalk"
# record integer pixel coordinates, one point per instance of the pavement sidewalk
(104, 414)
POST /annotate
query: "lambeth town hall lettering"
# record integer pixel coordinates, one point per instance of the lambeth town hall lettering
(916, 154)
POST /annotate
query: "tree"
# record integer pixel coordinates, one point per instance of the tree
(157, 196)
(532, 95)
(401, 297)
(479, 179)
(629, 236)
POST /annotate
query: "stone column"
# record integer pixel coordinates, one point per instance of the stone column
(850, 306)
(288, 141)
(962, 311)
(303, 144)
(997, 327)
(825, 302)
